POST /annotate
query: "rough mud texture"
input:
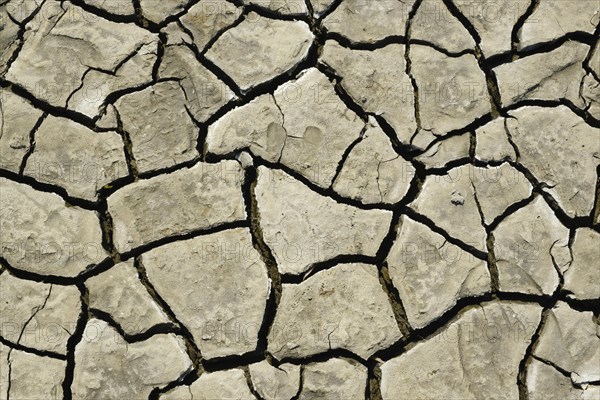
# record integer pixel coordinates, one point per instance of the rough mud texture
(300, 199)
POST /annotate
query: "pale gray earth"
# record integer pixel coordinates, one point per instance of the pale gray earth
(300, 199)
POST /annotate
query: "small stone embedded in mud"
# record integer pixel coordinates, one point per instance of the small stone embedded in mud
(457, 199)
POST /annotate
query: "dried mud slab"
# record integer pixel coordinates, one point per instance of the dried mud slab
(546, 76)
(452, 92)
(230, 384)
(554, 19)
(569, 340)
(76, 158)
(373, 172)
(350, 313)
(284, 7)
(62, 47)
(179, 203)
(150, 119)
(17, 119)
(377, 81)
(545, 381)
(108, 367)
(222, 289)
(38, 315)
(271, 383)
(22, 378)
(493, 21)
(319, 126)
(303, 228)
(322, 380)
(582, 278)
(422, 262)
(468, 197)
(465, 359)
(41, 234)
(434, 23)
(119, 293)
(257, 126)
(266, 47)
(368, 21)
(531, 249)
(556, 145)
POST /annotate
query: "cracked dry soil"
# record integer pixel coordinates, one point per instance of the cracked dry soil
(290, 199)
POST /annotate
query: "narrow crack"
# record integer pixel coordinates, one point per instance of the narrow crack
(35, 311)
(346, 154)
(32, 350)
(74, 340)
(31, 142)
(250, 384)
(341, 92)
(524, 364)
(311, 12)
(112, 97)
(107, 228)
(93, 269)
(408, 70)
(516, 31)
(137, 251)
(546, 47)
(562, 371)
(595, 215)
(177, 16)
(217, 35)
(477, 253)
(62, 192)
(511, 140)
(300, 384)
(201, 146)
(283, 126)
(272, 14)
(331, 8)
(258, 241)
(583, 114)
(87, 71)
(9, 374)
(127, 148)
(352, 45)
(394, 298)
(158, 329)
(491, 256)
(491, 82)
(233, 361)
(591, 56)
(322, 266)
(214, 69)
(467, 129)
(325, 356)
(472, 146)
(385, 280)
(373, 390)
(160, 52)
(107, 15)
